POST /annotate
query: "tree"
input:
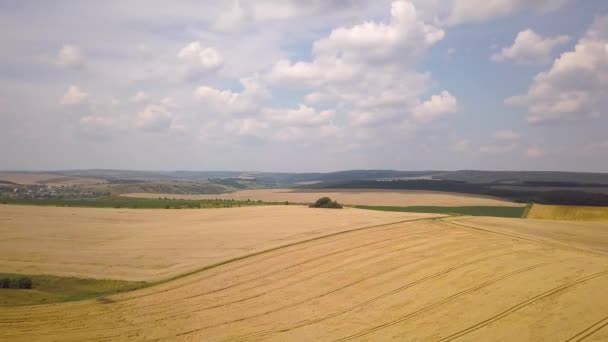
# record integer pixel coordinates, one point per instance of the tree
(326, 202)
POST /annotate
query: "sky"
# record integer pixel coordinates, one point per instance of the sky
(302, 86)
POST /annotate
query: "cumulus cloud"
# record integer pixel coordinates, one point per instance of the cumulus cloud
(435, 107)
(198, 60)
(232, 18)
(98, 127)
(154, 118)
(479, 10)
(140, 96)
(70, 56)
(228, 101)
(303, 115)
(534, 152)
(576, 84)
(530, 48)
(367, 69)
(506, 135)
(497, 148)
(74, 96)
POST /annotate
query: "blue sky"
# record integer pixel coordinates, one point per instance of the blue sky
(304, 85)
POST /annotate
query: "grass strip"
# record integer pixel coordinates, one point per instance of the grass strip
(494, 211)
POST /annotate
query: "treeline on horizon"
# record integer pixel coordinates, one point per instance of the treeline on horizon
(558, 197)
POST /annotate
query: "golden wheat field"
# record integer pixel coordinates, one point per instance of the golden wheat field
(153, 244)
(435, 279)
(401, 198)
(568, 213)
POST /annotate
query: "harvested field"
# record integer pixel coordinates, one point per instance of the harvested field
(568, 213)
(27, 178)
(399, 198)
(153, 244)
(428, 280)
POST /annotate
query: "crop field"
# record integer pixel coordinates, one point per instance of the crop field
(568, 213)
(500, 211)
(156, 244)
(401, 198)
(436, 279)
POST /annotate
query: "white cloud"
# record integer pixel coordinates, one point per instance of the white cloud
(74, 96)
(98, 127)
(435, 107)
(169, 102)
(534, 152)
(367, 69)
(303, 115)
(498, 148)
(70, 56)
(461, 145)
(246, 126)
(198, 60)
(576, 84)
(227, 101)
(506, 135)
(154, 118)
(232, 18)
(479, 10)
(530, 48)
(380, 41)
(139, 97)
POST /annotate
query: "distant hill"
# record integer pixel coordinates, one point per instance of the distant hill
(288, 179)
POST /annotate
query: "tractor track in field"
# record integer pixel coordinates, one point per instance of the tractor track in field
(521, 305)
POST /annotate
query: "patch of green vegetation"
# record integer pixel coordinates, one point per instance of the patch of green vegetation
(16, 283)
(326, 202)
(52, 289)
(137, 203)
(455, 211)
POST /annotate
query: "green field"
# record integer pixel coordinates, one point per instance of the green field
(471, 211)
(136, 203)
(52, 289)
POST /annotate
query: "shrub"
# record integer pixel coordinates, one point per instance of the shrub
(326, 202)
(24, 283)
(16, 283)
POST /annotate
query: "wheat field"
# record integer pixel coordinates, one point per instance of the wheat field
(435, 279)
(568, 213)
(402, 198)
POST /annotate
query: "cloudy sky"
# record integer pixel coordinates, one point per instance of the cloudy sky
(304, 85)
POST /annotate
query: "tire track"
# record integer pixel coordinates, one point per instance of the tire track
(308, 299)
(264, 275)
(542, 242)
(340, 266)
(592, 329)
(446, 300)
(379, 297)
(520, 306)
(267, 255)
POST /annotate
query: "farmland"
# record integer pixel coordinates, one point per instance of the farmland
(500, 211)
(156, 244)
(415, 280)
(568, 213)
(400, 198)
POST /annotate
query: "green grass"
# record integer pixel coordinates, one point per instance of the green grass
(52, 289)
(472, 211)
(136, 203)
